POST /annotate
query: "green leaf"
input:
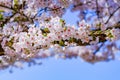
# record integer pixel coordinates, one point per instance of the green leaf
(16, 2)
(71, 40)
(1, 17)
(98, 32)
(65, 28)
(26, 51)
(64, 1)
(44, 34)
(9, 44)
(109, 34)
(62, 22)
(61, 43)
(1, 11)
(99, 24)
(46, 30)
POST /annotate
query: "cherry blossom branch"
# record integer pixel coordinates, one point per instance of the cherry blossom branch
(65, 41)
(15, 12)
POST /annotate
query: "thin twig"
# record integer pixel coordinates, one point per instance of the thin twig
(97, 9)
(10, 8)
(8, 19)
(43, 9)
(112, 14)
(98, 49)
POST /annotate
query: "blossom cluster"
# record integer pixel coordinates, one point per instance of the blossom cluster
(64, 41)
(54, 30)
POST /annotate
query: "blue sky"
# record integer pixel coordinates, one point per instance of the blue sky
(69, 69)
(73, 69)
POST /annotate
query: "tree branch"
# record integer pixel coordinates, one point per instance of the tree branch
(10, 8)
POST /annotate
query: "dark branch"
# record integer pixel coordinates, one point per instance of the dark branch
(7, 20)
(98, 49)
(97, 9)
(112, 14)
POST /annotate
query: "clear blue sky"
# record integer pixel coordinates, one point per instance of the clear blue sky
(73, 69)
(69, 69)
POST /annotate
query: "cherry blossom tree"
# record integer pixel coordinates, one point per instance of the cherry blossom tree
(34, 29)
